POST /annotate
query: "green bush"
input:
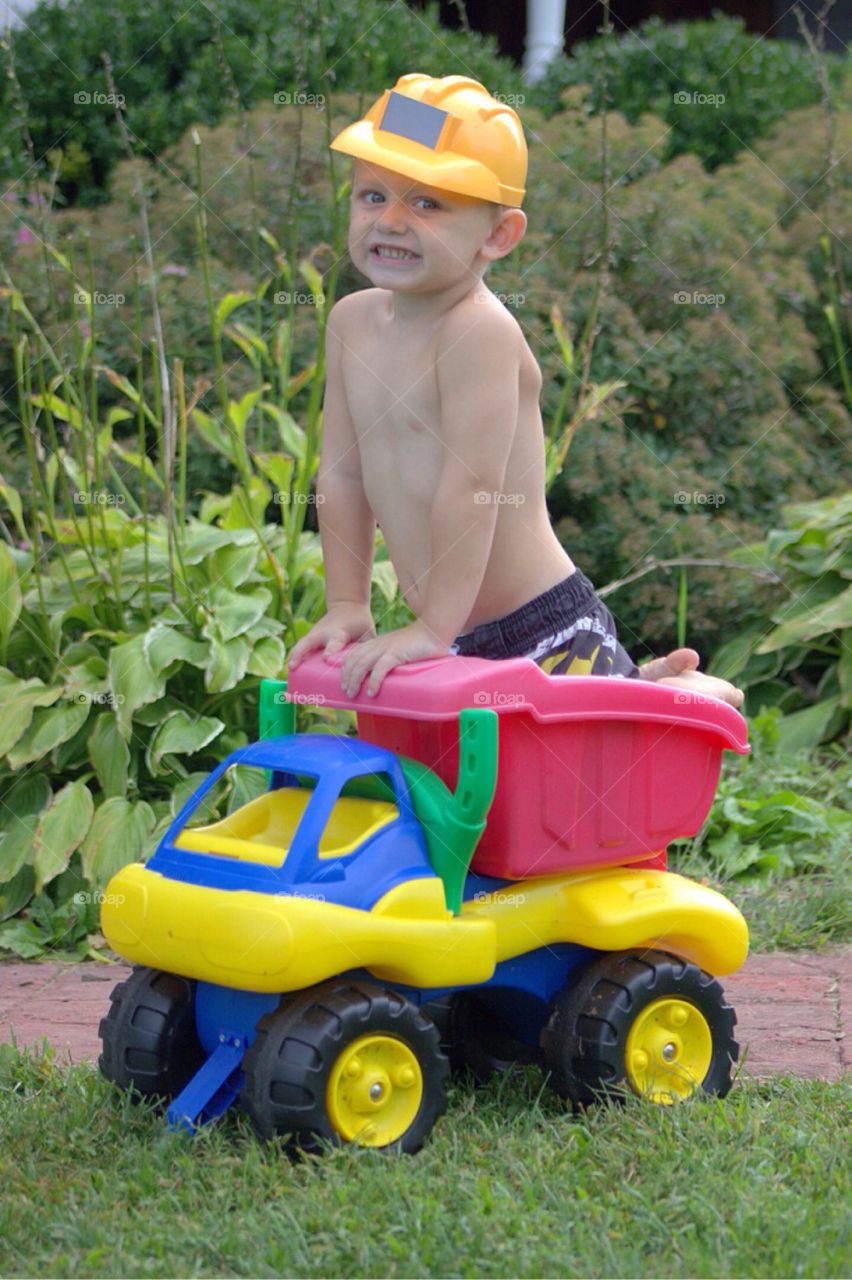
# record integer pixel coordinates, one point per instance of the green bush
(730, 408)
(177, 65)
(671, 68)
(802, 663)
(774, 815)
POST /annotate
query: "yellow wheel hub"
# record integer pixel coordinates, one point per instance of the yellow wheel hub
(374, 1090)
(669, 1050)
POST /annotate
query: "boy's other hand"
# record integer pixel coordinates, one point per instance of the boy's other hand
(377, 657)
(342, 623)
(680, 668)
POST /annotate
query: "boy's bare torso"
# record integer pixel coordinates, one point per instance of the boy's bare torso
(389, 370)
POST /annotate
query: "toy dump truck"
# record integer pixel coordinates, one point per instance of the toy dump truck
(477, 878)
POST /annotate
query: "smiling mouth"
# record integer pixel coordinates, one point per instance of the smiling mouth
(391, 254)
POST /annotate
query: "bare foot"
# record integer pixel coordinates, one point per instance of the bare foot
(679, 668)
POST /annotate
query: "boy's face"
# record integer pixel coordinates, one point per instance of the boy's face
(446, 235)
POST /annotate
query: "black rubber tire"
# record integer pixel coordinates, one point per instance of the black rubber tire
(150, 1043)
(440, 1012)
(296, 1047)
(480, 1044)
(585, 1040)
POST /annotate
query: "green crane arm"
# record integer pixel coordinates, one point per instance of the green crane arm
(276, 715)
(454, 821)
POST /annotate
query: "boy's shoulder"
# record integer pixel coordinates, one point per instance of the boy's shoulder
(355, 303)
(480, 324)
(485, 311)
(477, 326)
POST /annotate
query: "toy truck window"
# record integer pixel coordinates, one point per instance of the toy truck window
(259, 825)
(237, 785)
(365, 805)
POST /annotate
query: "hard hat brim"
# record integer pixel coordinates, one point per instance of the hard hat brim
(444, 170)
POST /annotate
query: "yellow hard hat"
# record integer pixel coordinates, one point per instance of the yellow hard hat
(446, 132)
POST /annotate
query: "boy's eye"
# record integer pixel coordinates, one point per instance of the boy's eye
(433, 204)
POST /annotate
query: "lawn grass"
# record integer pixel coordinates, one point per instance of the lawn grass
(510, 1184)
(796, 913)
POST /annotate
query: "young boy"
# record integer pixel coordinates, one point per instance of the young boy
(431, 421)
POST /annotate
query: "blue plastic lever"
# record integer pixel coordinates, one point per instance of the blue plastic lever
(211, 1090)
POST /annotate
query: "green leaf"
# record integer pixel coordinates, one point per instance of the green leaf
(49, 727)
(267, 658)
(268, 238)
(59, 408)
(249, 783)
(250, 343)
(10, 595)
(277, 468)
(61, 259)
(118, 835)
(156, 712)
(235, 612)
(227, 663)
(165, 645)
(833, 615)
(60, 830)
(384, 576)
(186, 787)
(127, 388)
(117, 414)
(563, 338)
(13, 501)
(86, 679)
(17, 892)
(214, 433)
(290, 433)
(242, 512)
(239, 411)
(309, 273)
(110, 755)
(203, 539)
(229, 303)
(230, 566)
(140, 461)
(18, 817)
(22, 938)
(806, 729)
(731, 658)
(182, 734)
(132, 682)
(18, 699)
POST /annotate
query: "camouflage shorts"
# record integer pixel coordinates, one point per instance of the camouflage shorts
(567, 630)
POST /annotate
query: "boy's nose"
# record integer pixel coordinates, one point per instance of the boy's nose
(392, 218)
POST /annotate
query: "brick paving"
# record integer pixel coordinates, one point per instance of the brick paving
(792, 1009)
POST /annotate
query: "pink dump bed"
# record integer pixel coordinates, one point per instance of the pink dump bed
(593, 771)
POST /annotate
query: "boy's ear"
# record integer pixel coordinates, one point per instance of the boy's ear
(507, 230)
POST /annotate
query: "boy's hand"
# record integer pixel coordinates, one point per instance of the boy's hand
(342, 623)
(411, 643)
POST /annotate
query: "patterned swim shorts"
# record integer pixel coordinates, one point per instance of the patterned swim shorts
(566, 630)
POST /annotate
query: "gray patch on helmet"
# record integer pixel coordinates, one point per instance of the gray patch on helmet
(417, 121)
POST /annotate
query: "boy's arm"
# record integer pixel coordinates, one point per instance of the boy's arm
(478, 371)
(346, 523)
